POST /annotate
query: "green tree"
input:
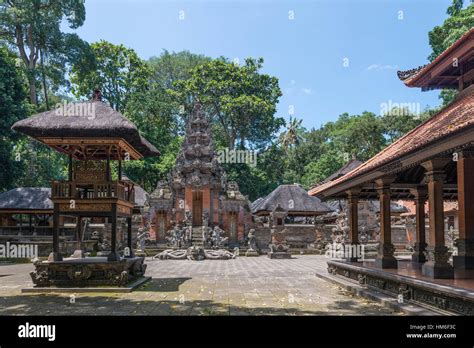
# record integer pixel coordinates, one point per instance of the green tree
(117, 71)
(168, 67)
(293, 134)
(443, 36)
(34, 28)
(398, 122)
(158, 115)
(239, 99)
(12, 108)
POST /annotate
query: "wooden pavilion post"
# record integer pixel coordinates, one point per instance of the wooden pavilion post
(464, 261)
(420, 242)
(385, 258)
(114, 256)
(129, 236)
(55, 254)
(79, 252)
(353, 210)
(437, 265)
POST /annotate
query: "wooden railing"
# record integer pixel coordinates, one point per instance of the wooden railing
(115, 189)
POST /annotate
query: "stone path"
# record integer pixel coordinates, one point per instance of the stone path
(244, 286)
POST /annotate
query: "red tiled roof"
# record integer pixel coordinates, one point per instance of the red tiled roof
(458, 116)
(448, 207)
(410, 76)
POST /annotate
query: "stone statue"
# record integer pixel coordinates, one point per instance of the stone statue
(188, 218)
(142, 236)
(205, 217)
(205, 236)
(252, 240)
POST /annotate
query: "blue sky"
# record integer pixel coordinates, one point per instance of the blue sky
(304, 44)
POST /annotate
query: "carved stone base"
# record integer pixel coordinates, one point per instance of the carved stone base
(437, 266)
(463, 267)
(418, 291)
(87, 272)
(419, 253)
(386, 262)
(464, 262)
(437, 270)
(55, 257)
(113, 256)
(78, 254)
(352, 259)
(251, 252)
(279, 255)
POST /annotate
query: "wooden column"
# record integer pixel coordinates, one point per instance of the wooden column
(55, 254)
(79, 252)
(114, 256)
(418, 255)
(437, 265)
(385, 258)
(353, 211)
(129, 236)
(119, 164)
(464, 261)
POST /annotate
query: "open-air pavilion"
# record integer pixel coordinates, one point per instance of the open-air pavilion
(92, 136)
(433, 162)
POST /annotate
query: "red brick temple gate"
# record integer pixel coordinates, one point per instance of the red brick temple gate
(197, 193)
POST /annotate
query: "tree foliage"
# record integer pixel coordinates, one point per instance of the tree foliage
(117, 71)
(239, 99)
(34, 28)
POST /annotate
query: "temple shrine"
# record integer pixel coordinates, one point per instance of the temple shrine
(197, 193)
(91, 143)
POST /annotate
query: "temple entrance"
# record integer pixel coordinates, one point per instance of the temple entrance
(232, 227)
(197, 208)
(161, 226)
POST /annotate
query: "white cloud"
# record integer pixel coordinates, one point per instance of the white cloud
(307, 91)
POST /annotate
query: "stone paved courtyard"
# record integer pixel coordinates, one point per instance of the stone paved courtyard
(244, 286)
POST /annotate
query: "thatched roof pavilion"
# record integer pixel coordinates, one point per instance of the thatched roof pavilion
(292, 198)
(85, 120)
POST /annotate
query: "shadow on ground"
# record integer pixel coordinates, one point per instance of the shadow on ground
(163, 284)
(87, 304)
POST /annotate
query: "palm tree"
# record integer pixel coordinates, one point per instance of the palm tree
(293, 134)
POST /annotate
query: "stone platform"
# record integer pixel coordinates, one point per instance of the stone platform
(409, 285)
(88, 272)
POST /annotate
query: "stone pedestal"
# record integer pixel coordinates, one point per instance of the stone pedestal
(279, 251)
(55, 256)
(385, 258)
(419, 253)
(251, 252)
(464, 262)
(78, 254)
(279, 255)
(87, 272)
(437, 266)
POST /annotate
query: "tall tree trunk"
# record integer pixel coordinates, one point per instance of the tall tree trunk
(45, 87)
(32, 87)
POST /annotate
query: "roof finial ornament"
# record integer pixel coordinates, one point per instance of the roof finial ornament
(97, 95)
